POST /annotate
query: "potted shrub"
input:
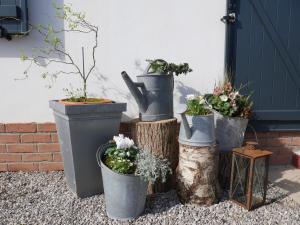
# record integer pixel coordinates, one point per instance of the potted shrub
(155, 96)
(126, 171)
(197, 124)
(83, 123)
(232, 111)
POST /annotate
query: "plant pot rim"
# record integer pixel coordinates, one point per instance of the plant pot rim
(208, 115)
(231, 117)
(155, 75)
(87, 109)
(65, 102)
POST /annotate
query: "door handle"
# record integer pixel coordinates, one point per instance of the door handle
(230, 18)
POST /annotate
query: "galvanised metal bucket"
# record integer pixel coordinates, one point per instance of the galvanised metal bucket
(197, 130)
(125, 195)
(230, 131)
(155, 96)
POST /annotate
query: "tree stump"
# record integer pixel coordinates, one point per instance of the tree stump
(160, 138)
(197, 175)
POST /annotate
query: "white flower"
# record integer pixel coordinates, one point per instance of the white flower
(123, 143)
(224, 98)
(201, 99)
(190, 97)
(233, 95)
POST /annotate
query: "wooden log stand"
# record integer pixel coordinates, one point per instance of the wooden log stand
(197, 181)
(160, 138)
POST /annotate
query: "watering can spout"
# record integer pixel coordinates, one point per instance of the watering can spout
(186, 126)
(136, 93)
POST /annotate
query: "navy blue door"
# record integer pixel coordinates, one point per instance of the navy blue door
(264, 52)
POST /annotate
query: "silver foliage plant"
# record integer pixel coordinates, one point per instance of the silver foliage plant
(152, 168)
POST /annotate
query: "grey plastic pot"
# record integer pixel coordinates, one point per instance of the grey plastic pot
(125, 195)
(230, 131)
(81, 129)
(197, 130)
(153, 94)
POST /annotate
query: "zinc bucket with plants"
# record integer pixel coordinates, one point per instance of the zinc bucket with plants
(232, 112)
(126, 172)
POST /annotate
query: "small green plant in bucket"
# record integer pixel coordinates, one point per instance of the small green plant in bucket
(196, 106)
(125, 158)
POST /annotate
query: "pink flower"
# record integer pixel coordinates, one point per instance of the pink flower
(228, 87)
(217, 91)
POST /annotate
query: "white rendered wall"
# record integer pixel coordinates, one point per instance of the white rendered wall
(130, 32)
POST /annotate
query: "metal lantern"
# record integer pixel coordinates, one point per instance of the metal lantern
(249, 176)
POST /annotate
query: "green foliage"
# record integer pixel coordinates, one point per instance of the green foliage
(229, 102)
(121, 160)
(139, 162)
(152, 168)
(159, 66)
(196, 106)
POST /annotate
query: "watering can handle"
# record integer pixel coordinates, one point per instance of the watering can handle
(149, 65)
(139, 84)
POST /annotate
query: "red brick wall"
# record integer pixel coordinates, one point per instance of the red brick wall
(34, 146)
(281, 144)
(29, 147)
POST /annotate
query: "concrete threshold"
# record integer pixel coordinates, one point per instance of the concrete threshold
(286, 177)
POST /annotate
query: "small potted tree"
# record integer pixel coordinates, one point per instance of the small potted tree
(126, 172)
(232, 111)
(83, 123)
(155, 96)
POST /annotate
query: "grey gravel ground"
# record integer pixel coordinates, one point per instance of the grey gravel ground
(43, 198)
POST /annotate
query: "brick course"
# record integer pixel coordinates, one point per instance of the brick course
(29, 147)
(34, 146)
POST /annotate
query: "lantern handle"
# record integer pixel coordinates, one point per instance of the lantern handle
(254, 131)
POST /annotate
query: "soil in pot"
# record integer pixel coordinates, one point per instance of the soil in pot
(82, 101)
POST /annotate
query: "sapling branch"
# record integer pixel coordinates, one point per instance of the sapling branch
(54, 52)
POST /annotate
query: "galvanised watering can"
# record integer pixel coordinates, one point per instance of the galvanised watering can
(197, 130)
(153, 94)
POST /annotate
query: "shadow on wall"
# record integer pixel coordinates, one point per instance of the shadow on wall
(181, 91)
(107, 88)
(40, 12)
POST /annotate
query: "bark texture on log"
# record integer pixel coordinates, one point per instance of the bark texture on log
(160, 138)
(197, 175)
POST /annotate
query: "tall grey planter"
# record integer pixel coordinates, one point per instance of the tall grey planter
(81, 129)
(230, 131)
(153, 94)
(125, 195)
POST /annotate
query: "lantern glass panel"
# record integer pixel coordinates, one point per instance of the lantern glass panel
(240, 178)
(259, 177)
